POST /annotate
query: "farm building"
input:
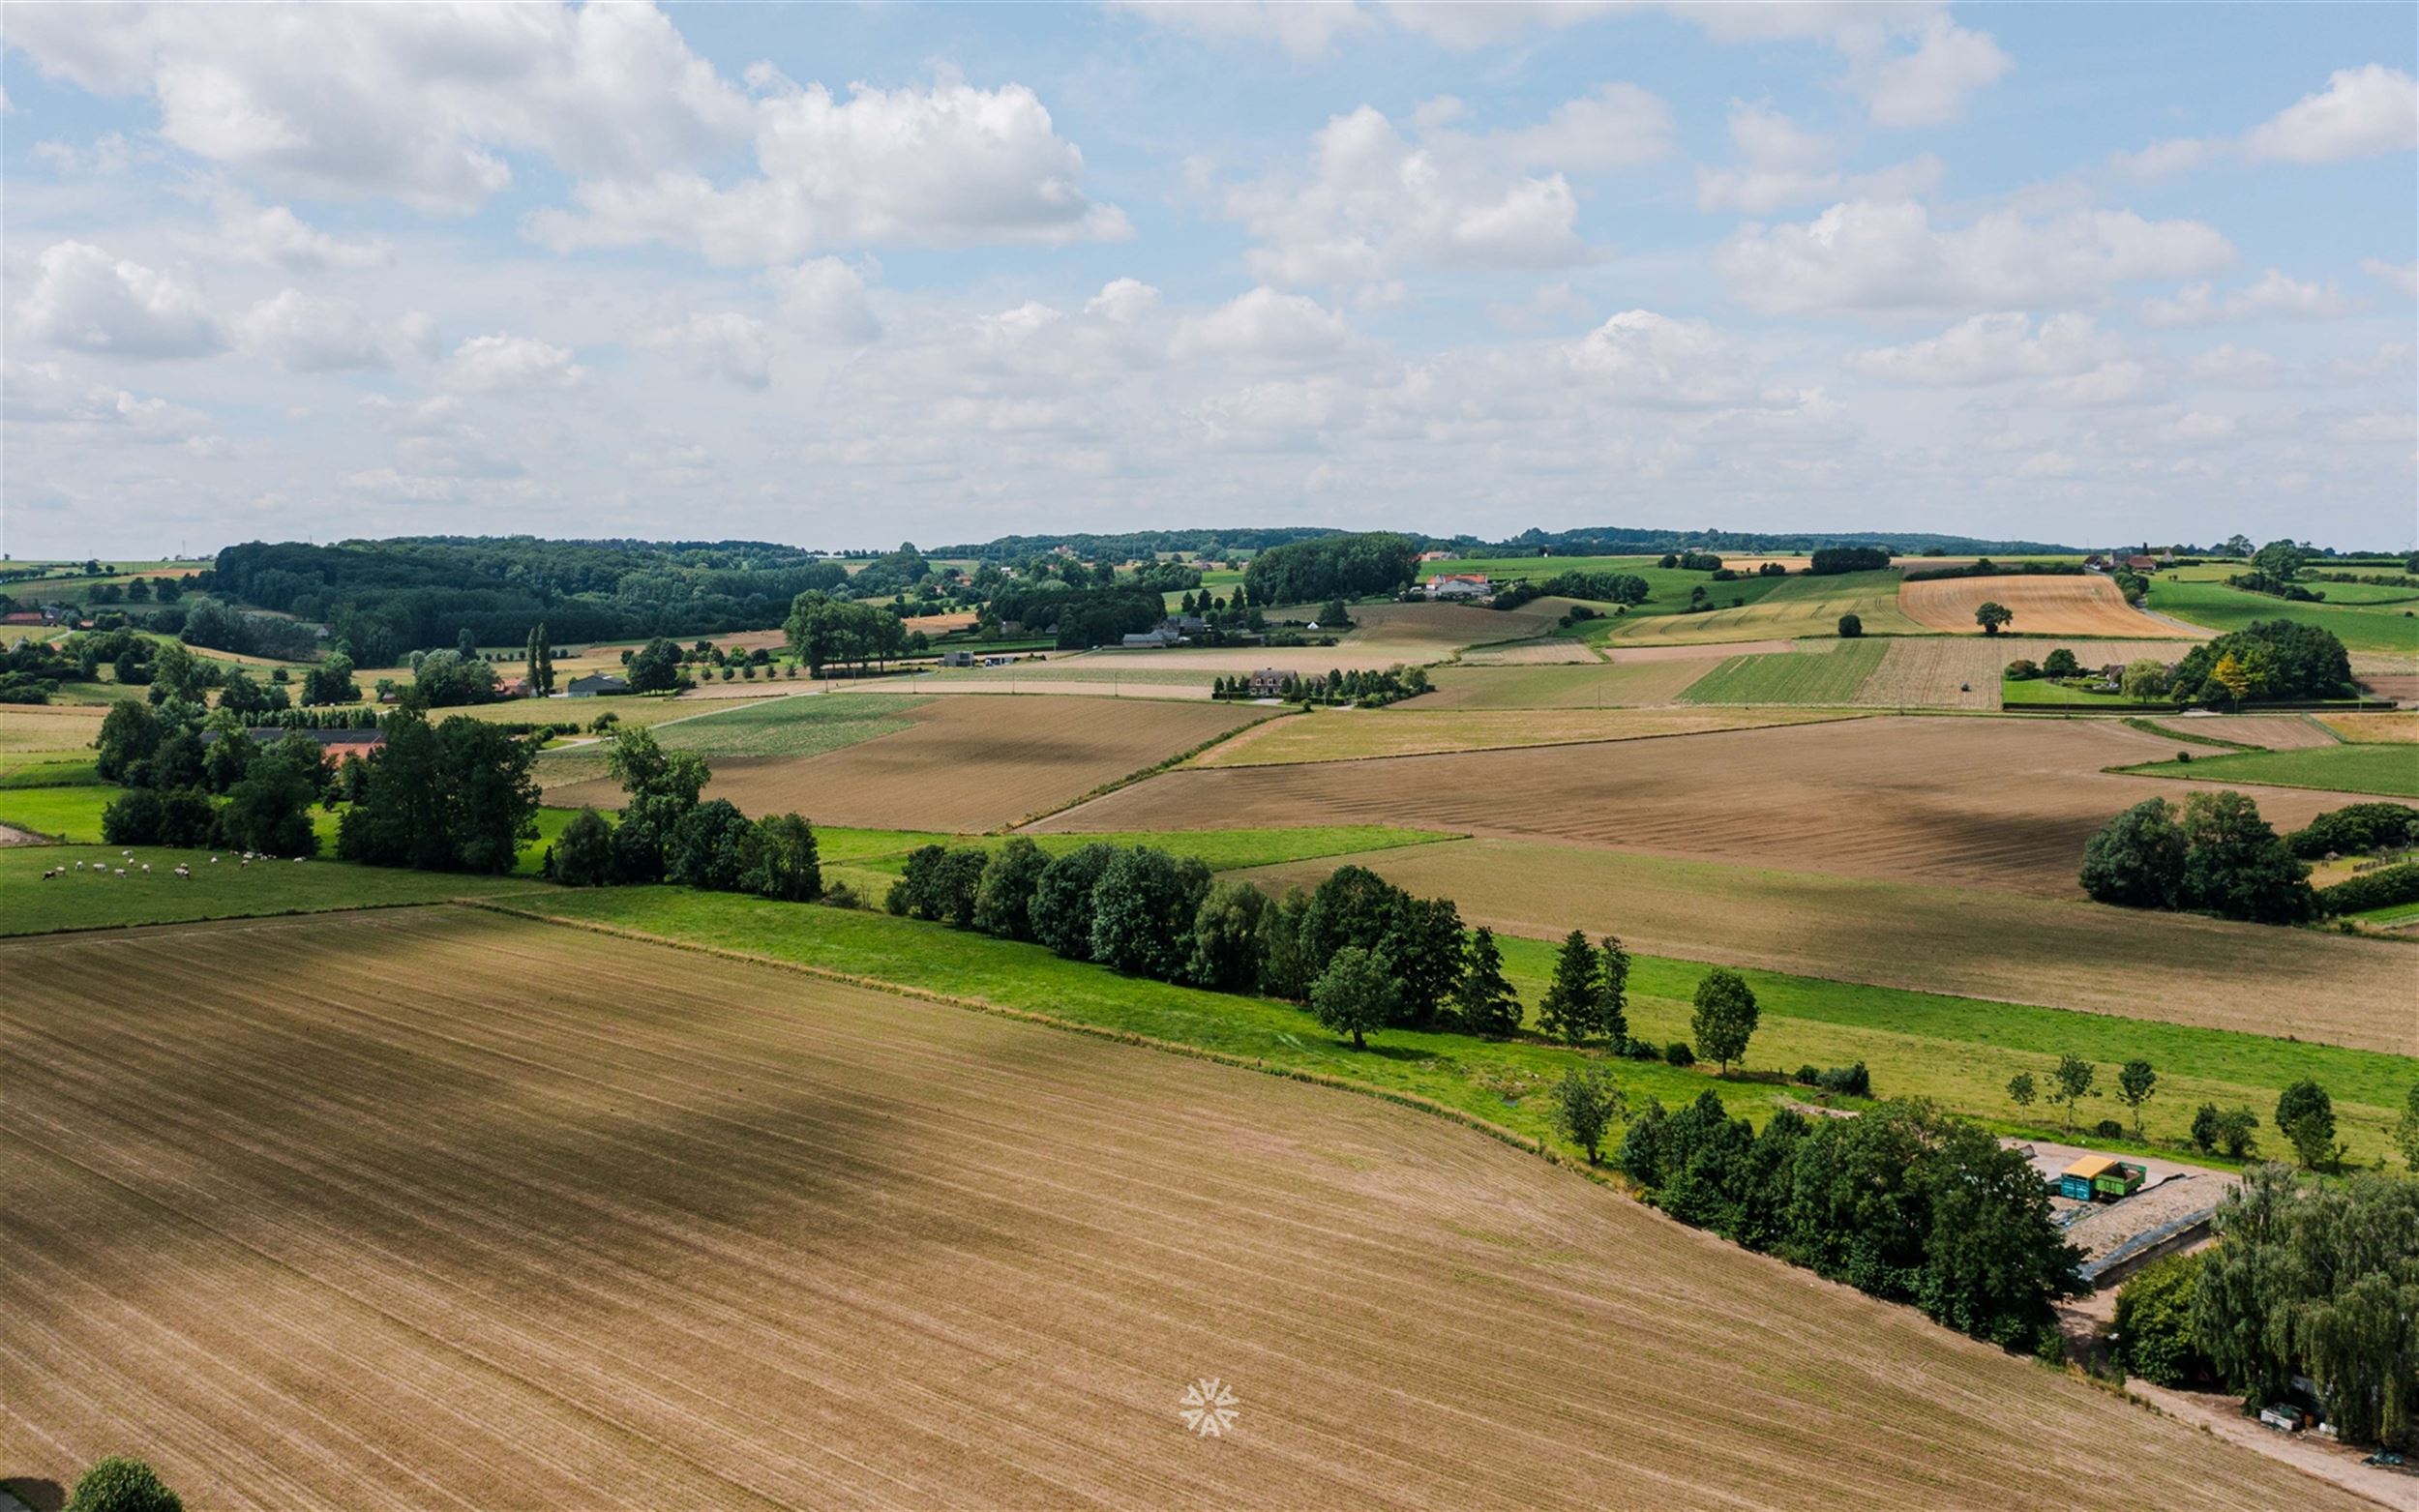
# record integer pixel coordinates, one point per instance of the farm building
(1458, 586)
(956, 658)
(1149, 640)
(335, 745)
(2099, 1177)
(597, 684)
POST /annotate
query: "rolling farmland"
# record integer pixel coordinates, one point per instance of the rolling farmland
(1364, 734)
(962, 763)
(1995, 802)
(601, 1224)
(1795, 607)
(2046, 605)
(2175, 968)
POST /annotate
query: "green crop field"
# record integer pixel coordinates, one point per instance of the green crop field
(1960, 1051)
(1820, 674)
(804, 726)
(2382, 627)
(225, 890)
(2389, 770)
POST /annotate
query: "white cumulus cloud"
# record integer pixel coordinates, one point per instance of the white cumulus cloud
(509, 363)
(85, 300)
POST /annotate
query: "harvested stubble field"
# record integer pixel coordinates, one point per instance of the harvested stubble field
(599, 1223)
(1797, 608)
(1444, 626)
(2268, 731)
(1366, 734)
(1528, 653)
(963, 765)
(31, 727)
(1998, 803)
(2172, 968)
(2401, 727)
(1964, 672)
(1622, 682)
(2046, 604)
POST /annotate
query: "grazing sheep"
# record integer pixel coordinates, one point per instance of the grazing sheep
(213, 861)
(146, 868)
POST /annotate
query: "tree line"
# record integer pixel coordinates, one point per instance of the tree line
(2309, 1279)
(1333, 567)
(1903, 1201)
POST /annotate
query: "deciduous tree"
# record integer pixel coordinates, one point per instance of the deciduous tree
(1355, 996)
(1726, 1017)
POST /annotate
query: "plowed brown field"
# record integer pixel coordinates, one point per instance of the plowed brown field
(1929, 937)
(968, 765)
(577, 1221)
(2083, 605)
(2003, 803)
(2268, 731)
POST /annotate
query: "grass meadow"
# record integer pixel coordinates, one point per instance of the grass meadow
(2195, 594)
(226, 890)
(2390, 771)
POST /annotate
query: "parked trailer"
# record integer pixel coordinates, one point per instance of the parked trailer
(2101, 1178)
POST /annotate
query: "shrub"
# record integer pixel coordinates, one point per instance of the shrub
(1807, 1076)
(1851, 626)
(583, 857)
(1679, 1054)
(1847, 1081)
(2108, 1129)
(2153, 1334)
(2378, 889)
(2357, 830)
(840, 895)
(2022, 669)
(118, 1484)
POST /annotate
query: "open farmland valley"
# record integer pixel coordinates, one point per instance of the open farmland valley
(1270, 757)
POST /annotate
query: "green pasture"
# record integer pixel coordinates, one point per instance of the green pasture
(88, 899)
(2360, 627)
(2389, 770)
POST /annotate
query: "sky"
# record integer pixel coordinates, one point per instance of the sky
(841, 275)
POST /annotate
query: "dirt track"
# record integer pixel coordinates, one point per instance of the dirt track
(568, 1221)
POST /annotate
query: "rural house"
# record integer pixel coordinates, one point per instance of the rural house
(1267, 682)
(596, 684)
(1458, 586)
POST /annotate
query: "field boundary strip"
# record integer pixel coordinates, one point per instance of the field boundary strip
(7, 941)
(1411, 1100)
(1830, 714)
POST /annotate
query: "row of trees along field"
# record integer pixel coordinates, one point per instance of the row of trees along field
(2216, 855)
(2309, 1278)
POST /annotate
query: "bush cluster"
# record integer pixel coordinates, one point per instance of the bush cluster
(1903, 1202)
(2217, 857)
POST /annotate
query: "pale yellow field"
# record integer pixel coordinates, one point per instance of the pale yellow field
(1801, 606)
(2083, 605)
(34, 727)
(1362, 734)
(2399, 727)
